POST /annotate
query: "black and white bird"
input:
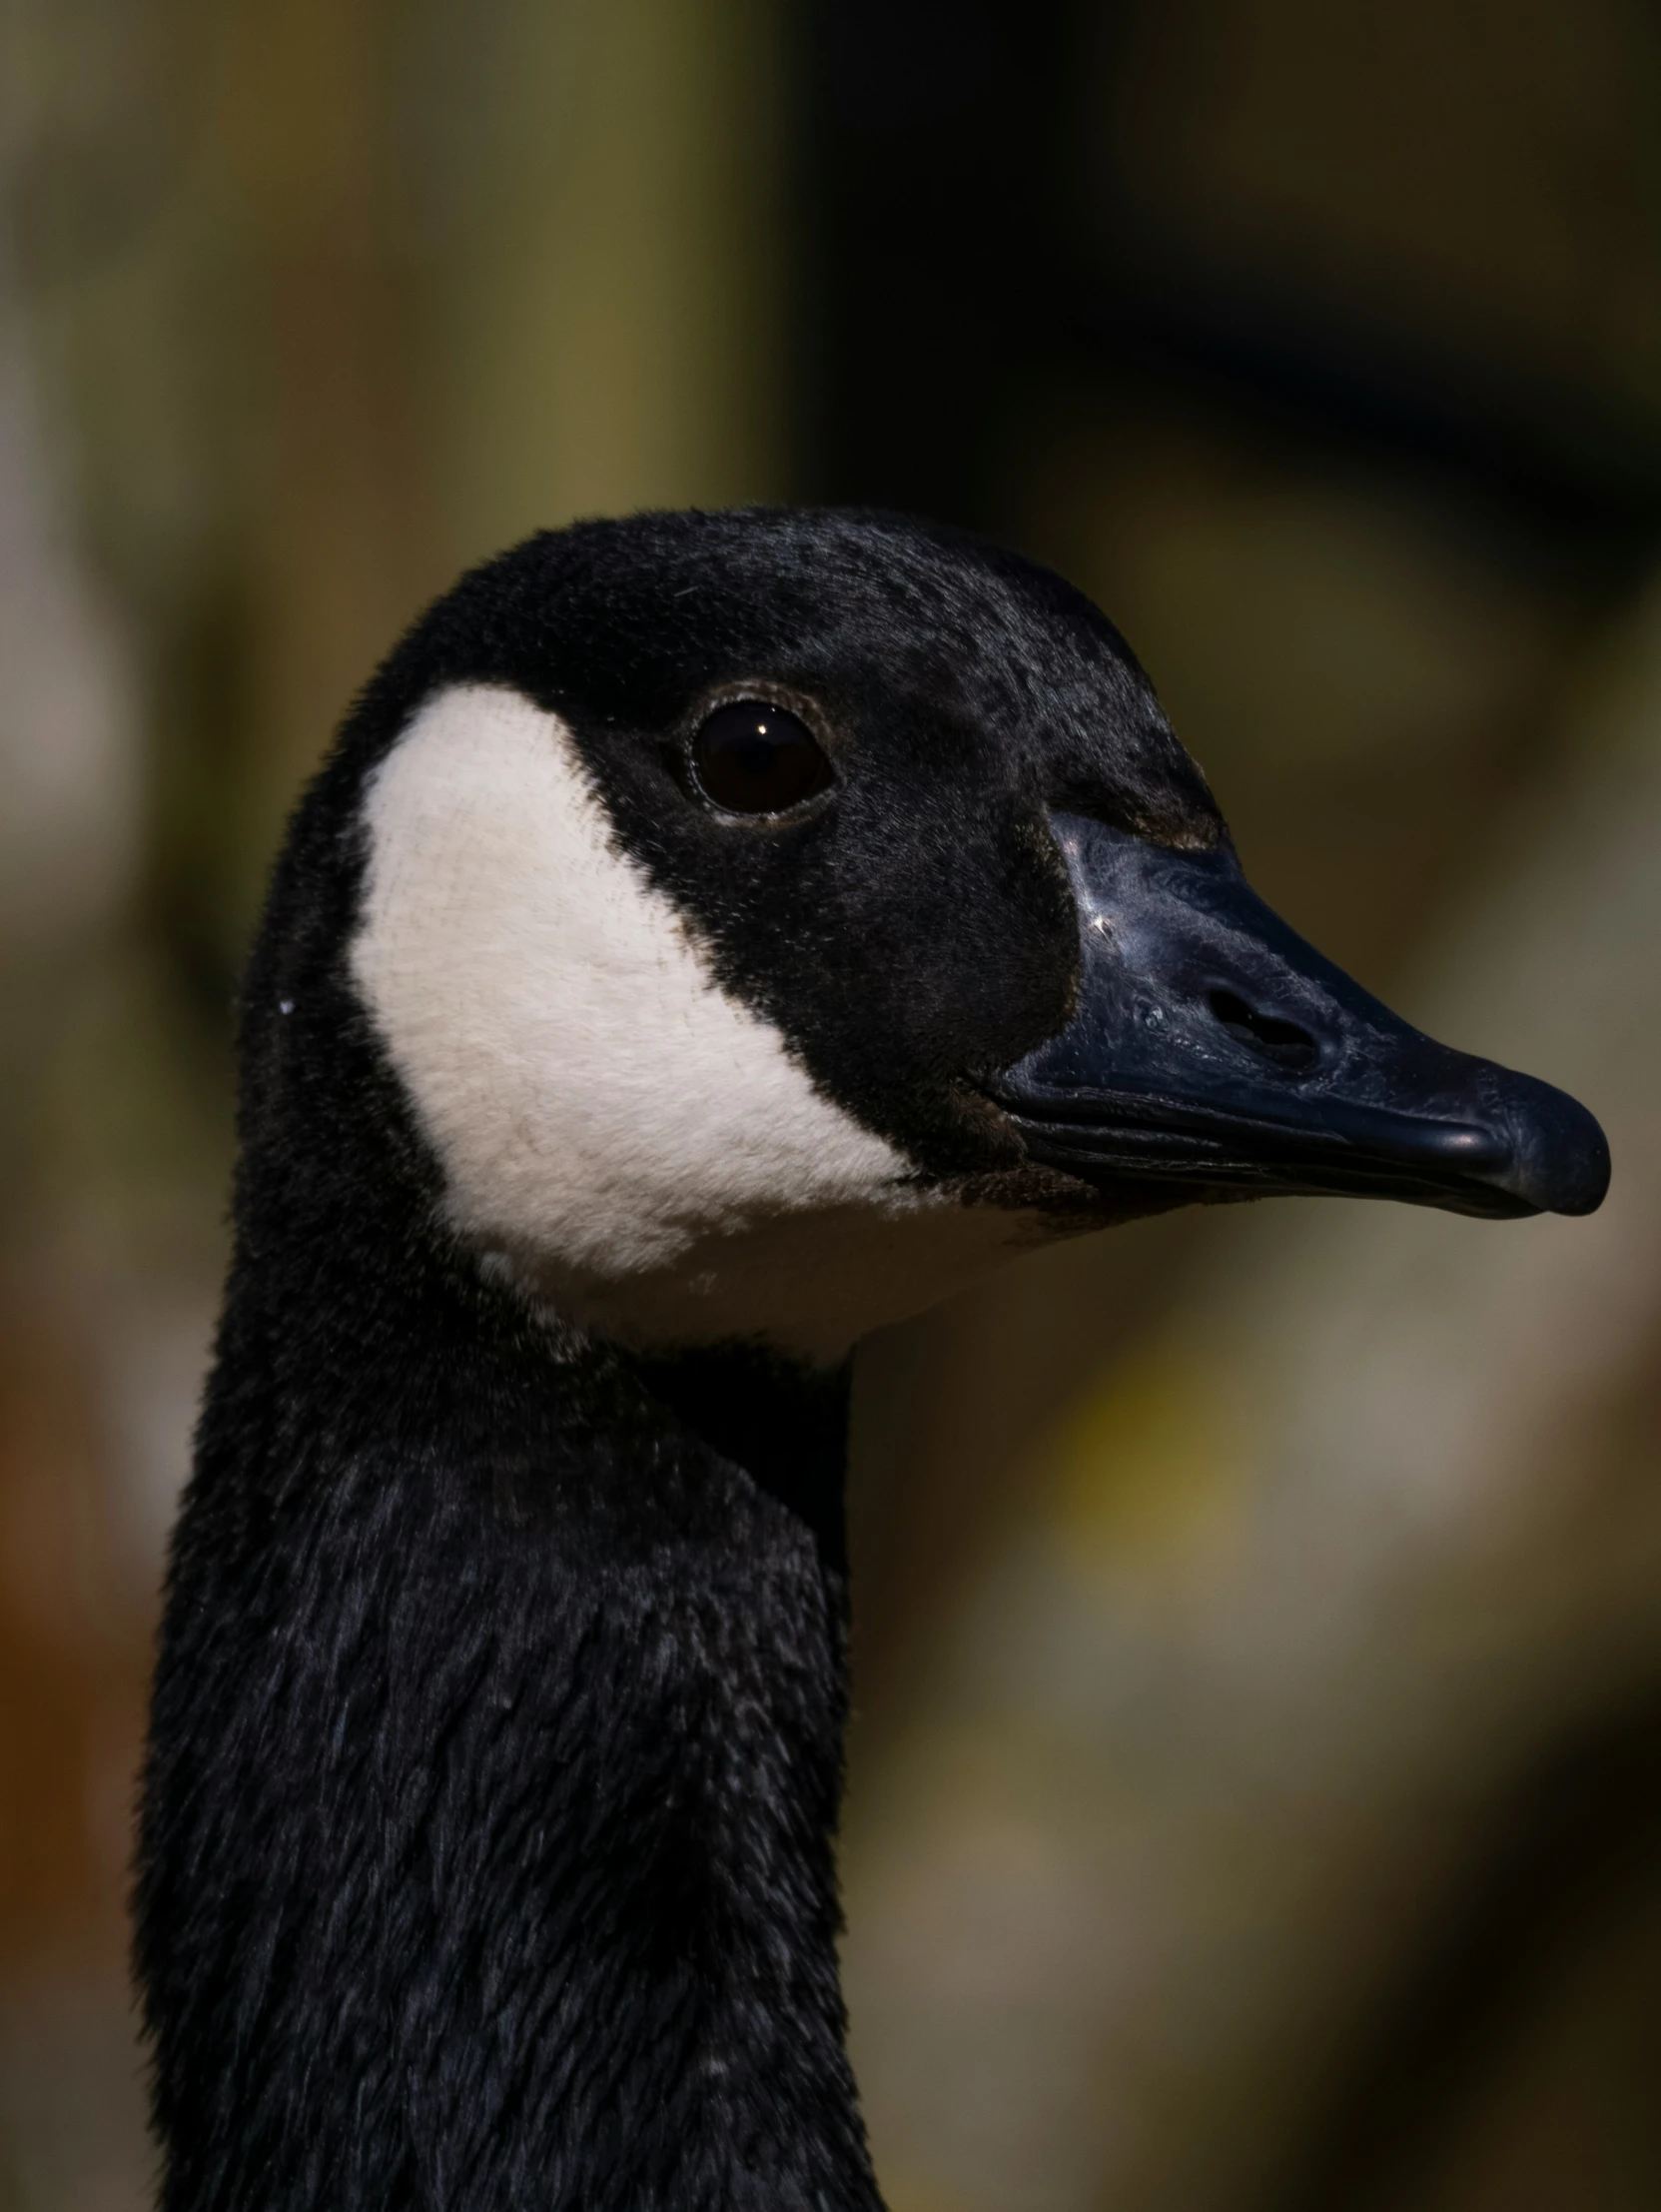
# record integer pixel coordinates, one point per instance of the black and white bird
(711, 936)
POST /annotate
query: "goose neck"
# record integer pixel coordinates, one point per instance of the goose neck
(495, 1759)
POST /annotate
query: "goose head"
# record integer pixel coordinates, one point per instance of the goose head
(772, 919)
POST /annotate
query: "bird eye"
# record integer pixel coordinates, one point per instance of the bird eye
(754, 759)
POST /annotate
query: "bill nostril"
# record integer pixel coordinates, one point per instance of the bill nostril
(1283, 1042)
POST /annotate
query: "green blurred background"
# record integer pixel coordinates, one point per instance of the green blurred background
(1255, 1794)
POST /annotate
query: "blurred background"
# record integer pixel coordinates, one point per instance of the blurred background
(1256, 1799)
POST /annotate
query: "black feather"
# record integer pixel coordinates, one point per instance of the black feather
(494, 1770)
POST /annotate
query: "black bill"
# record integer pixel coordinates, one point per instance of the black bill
(1212, 1047)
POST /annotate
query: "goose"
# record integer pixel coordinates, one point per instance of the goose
(710, 937)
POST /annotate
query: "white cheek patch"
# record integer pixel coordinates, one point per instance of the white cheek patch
(640, 1148)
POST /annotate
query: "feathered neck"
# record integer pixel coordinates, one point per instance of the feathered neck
(496, 1753)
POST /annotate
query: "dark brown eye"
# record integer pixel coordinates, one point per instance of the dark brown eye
(753, 758)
